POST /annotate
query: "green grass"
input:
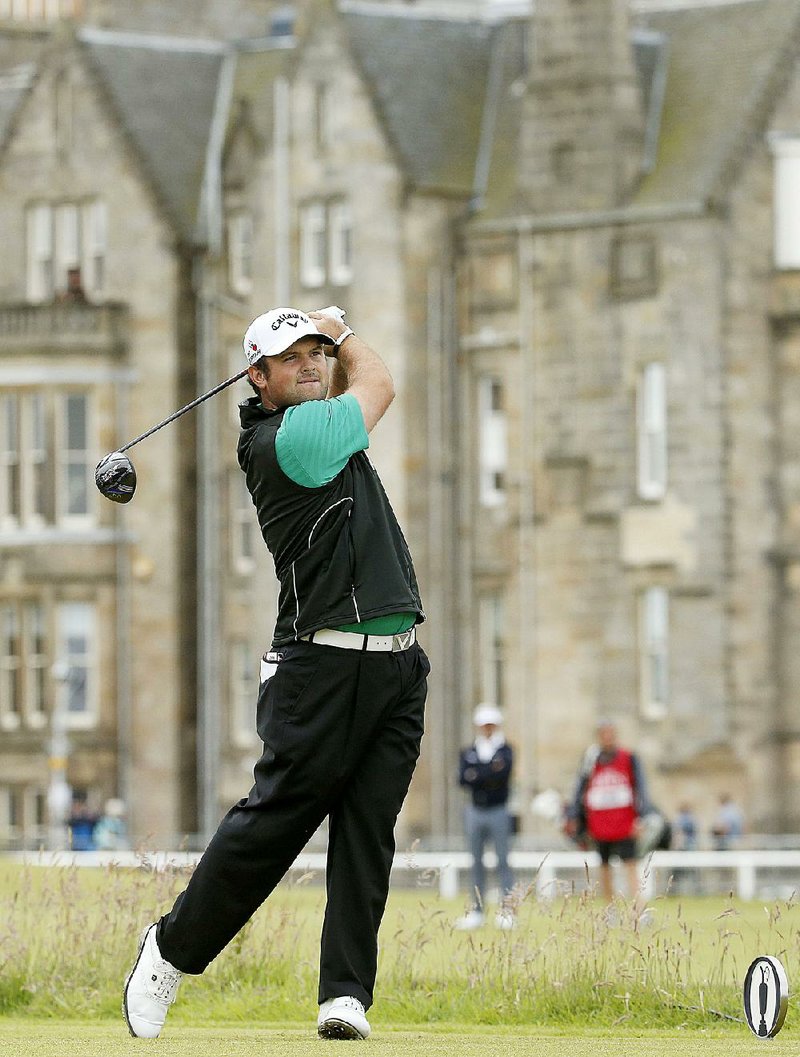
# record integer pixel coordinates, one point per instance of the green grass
(68, 935)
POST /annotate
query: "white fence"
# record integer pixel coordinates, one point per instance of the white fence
(748, 873)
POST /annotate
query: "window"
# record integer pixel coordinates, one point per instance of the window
(76, 465)
(492, 441)
(634, 267)
(67, 243)
(36, 665)
(10, 668)
(243, 525)
(36, 488)
(786, 150)
(240, 253)
(651, 446)
(95, 243)
(76, 657)
(491, 649)
(39, 10)
(654, 652)
(10, 815)
(341, 244)
(61, 237)
(326, 243)
(40, 252)
(244, 689)
(312, 244)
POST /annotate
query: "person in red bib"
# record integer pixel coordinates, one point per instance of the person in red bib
(609, 800)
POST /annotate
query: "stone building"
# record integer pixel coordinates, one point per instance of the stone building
(573, 234)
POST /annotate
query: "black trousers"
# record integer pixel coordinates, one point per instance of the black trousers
(341, 732)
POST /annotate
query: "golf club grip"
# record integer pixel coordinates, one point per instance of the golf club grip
(183, 410)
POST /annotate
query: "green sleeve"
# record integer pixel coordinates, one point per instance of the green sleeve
(316, 439)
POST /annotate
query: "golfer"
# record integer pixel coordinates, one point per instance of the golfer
(341, 702)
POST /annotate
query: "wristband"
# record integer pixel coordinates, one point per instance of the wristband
(345, 334)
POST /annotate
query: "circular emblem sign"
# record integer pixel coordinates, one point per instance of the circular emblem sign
(766, 996)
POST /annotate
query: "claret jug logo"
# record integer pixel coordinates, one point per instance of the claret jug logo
(288, 318)
(766, 997)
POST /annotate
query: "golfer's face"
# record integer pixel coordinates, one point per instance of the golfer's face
(297, 375)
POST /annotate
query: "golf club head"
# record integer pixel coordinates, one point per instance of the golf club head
(115, 477)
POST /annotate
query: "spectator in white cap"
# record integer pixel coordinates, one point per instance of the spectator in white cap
(485, 770)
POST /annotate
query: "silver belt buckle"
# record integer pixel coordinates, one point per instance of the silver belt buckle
(403, 641)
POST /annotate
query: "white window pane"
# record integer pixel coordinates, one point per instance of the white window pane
(10, 459)
(35, 457)
(95, 247)
(75, 479)
(492, 441)
(39, 225)
(341, 243)
(240, 253)
(491, 648)
(67, 243)
(10, 667)
(76, 650)
(654, 652)
(312, 244)
(652, 432)
(787, 205)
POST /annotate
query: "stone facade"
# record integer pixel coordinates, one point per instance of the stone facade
(529, 254)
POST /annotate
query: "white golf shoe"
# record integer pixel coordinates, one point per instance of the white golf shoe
(342, 1018)
(150, 989)
(504, 919)
(473, 919)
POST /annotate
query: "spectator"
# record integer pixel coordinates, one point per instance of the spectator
(111, 832)
(686, 828)
(609, 800)
(485, 770)
(81, 824)
(728, 824)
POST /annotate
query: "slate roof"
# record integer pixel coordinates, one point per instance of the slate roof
(706, 74)
(428, 78)
(725, 66)
(165, 92)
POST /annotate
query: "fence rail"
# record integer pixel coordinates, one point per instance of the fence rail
(747, 872)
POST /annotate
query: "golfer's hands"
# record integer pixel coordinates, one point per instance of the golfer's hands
(330, 321)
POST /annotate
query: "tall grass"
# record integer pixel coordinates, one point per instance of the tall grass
(68, 936)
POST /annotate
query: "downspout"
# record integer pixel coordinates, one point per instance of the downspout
(209, 594)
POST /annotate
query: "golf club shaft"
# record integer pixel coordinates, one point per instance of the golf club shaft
(183, 410)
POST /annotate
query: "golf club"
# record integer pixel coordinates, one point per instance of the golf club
(115, 476)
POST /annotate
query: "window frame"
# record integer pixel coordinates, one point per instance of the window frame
(492, 435)
(654, 646)
(241, 231)
(652, 461)
(786, 236)
(87, 717)
(492, 649)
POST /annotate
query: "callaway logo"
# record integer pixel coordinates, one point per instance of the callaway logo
(287, 318)
(253, 346)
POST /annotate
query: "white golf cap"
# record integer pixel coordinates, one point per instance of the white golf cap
(487, 713)
(273, 333)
